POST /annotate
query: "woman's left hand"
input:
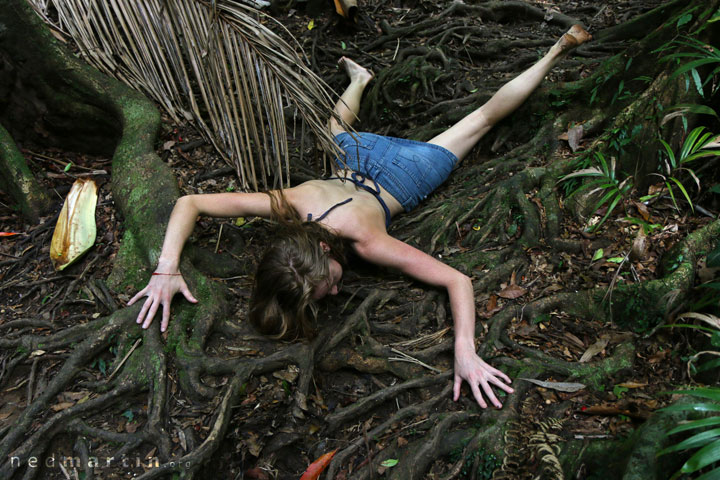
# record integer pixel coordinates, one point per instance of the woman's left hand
(473, 369)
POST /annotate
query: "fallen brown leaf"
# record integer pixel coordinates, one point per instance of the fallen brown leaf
(512, 291)
(643, 210)
(575, 135)
(61, 406)
(594, 349)
(632, 385)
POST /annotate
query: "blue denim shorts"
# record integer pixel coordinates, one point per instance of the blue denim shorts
(409, 170)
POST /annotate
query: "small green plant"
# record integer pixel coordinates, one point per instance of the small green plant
(101, 365)
(618, 138)
(647, 227)
(695, 54)
(706, 442)
(602, 178)
(695, 146)
(619, 391)
(620, 94)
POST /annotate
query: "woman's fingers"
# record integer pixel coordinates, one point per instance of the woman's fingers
(143, 310)
(137, 296)
(456, 387)
(151, 313)
(160, 294)
(478, 396)
(504, 386)
(490, 394)
(186, 293)
(165, 316)
(501, 374)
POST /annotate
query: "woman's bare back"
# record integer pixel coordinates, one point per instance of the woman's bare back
(364, 212)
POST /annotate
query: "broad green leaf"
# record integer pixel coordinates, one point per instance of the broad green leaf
(692, 327)
(689, 143)
(616, 259)
(709, 393)
(672, 195)
(692, 407)
(389, 463)
(705, 422)
(715, 17)
(585, 172)
(697, 440)
(695, 108)
(704, 457)
(598, 255)
(67, 167)
(669, 151)
(684, 192)
(709, 365)
(697, 81)
(713, 474)
(702, 154)
(684, 19)
(692, 66)
(610, 209)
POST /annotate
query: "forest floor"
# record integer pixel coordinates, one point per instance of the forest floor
(261, 443)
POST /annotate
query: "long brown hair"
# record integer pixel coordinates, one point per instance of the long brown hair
(290, 269)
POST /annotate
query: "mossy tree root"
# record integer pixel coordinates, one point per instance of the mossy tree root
(19, 182)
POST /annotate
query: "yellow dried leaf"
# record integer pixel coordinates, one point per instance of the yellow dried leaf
(61, 406)
(75, 229)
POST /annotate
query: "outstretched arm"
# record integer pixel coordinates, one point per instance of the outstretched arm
(382, 249)
(167, 281)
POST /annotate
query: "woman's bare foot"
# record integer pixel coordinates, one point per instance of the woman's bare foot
(574, 37)
(355, 71)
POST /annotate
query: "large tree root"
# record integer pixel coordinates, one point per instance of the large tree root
(18, 180)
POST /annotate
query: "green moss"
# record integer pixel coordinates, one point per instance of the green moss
(136, 367)
(469, 260)
(129, 269)
(595, 374)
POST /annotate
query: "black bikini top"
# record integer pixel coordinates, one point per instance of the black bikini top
(357, 179)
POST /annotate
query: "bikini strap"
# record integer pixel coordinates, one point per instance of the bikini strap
(309, 217)
(358, 179)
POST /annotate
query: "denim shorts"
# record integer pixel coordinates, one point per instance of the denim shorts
(409, 170)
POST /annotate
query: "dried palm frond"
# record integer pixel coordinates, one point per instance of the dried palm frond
(546, 447)
(210, 62)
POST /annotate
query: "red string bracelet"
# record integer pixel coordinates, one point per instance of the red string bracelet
(171, 274)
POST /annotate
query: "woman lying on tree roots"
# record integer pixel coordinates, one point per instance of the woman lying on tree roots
(388, 176)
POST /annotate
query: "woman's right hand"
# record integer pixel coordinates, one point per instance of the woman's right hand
(160, 291)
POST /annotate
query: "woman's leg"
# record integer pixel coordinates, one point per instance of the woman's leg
(348, 106)
(461, 137)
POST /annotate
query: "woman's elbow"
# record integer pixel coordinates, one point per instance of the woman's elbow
(460, 280)
(186, 203)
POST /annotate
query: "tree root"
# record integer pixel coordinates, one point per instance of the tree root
(19, 182)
